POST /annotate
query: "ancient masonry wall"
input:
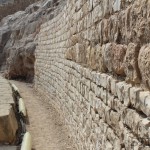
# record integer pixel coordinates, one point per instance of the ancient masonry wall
(92, 62)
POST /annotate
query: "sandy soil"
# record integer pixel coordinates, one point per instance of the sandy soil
(45, 123)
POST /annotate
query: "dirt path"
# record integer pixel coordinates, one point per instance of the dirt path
(46, 126)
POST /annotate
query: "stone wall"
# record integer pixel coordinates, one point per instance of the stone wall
(92, 62)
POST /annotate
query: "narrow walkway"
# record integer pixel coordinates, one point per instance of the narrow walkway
(46, 126)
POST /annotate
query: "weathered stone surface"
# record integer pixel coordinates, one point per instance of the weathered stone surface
(80, 53)
(21, 61)
(8, 121)
(100, 66)
(113, 56)
(8, 124)
(91, 57)
(107, 55)
(144, 103)
(119, 52)
(131, 64)
(117, 5)
(144, 64)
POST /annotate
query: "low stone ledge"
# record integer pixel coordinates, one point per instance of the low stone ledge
(8, 121)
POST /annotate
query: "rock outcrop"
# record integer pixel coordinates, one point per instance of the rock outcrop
(18, 38)
(144, 64)
(8, 7)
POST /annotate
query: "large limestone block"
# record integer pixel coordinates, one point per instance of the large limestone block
(144, 102)
(119, 52)
(132, 119)
(91, 57)
(8, 121)
(131, 64)
(114, 29)
(107, 56)
(144, 129)
(134, 96)
(144, 64)
(123, 90)
(105, 30)
(94, 58)
(106, 7)
(80, 53)
(8, 124)
(117, 5)
(113, 56)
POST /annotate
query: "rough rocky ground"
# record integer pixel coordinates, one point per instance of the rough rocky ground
(46, 124)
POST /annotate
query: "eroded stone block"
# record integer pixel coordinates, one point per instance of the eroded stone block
(144, 102)
(144, 64)
(8, 124)
(117, 5)
(131, 63)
